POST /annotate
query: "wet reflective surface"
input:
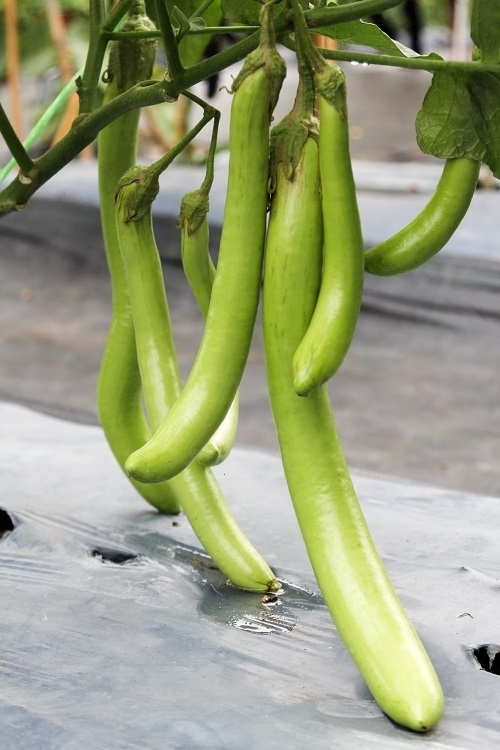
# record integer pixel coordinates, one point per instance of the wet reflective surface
(118, 631)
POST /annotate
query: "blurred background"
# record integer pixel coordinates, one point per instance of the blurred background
(43, 43)
(418, 396)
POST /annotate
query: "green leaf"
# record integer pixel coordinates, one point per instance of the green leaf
(192, 47)
(238, 12)
(485, 29)
(460, 116)
(367, 35)
(181, 20)
(197, 23)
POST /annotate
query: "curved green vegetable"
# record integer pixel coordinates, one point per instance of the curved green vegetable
(197, 488)
(216, 373)
(429, 232)
(350, 574)
(200, 274)
(119, 394)
(330, 332)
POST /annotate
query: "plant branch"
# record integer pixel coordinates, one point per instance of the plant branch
(203, 7)
(412, 63)
(149, 93)
(115, 15)
(209, 174)
(147, 179)
(161, 164)
(42, 123)
(192, 32)
(16, 148)
(223, 30)
(88, 84)
(84, 130)
(175, 66)
(153, 34)
(319, 17)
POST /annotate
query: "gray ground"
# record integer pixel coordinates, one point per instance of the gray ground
(418, 396)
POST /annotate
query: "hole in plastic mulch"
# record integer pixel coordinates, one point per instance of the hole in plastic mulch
(116, 556)
(488, 657)
(6, 523)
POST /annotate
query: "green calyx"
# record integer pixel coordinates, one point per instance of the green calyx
(132, 60)
(330, 82)
(289, 137)
(194, 210)
(137, 189)
(287, 143)
(265, 56)
(329, 79)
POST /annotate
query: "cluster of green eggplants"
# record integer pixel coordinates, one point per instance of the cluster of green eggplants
(309, 253)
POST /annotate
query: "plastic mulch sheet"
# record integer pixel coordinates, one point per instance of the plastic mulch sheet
(117, 632)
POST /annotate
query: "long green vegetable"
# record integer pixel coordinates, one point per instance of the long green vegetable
(197, 488)
(434, 226)
(119, 393)
(200, 273)
(214, 379)
(330, 332)
(350, 574)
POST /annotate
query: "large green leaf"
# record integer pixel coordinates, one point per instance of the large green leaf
(460, 116)
(369, 35)
(485, 29)
(366, 35)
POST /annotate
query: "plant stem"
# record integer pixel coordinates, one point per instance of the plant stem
(159, 166)
(153, 34)
(87, 86)
(12, 54)
(84, 131)
(203, 7)
(192, 32)
(352, 11)
(14, 144)
(115, 15)
(138, 202)
(16, 195)
(209, 174)
(411, 63)
(223, 30)
(307, 53)
(40, 125)
(175, 66)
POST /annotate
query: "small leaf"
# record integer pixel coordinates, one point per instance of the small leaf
(485, 29)
(460, 116)
(181, 20)
(192, 46)
(197, 23)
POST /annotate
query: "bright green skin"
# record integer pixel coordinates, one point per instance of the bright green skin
(330, 332)
(429, 232)
(350, 574)
(200, 494)
(216, 373)
(200, 274)
(119, 399)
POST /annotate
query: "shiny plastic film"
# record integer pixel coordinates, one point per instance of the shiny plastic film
(117, 630)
